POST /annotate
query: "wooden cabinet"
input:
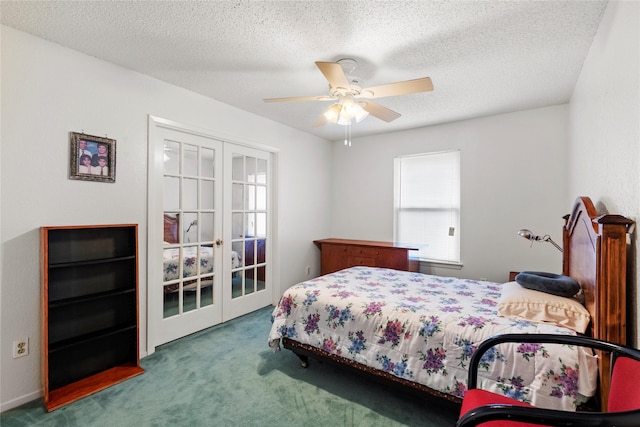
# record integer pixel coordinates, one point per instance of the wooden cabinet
(338, 254)
(90, 310)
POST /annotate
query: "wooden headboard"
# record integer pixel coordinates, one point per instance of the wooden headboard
(595, 254)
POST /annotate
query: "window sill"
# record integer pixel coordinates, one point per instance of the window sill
(441, 264)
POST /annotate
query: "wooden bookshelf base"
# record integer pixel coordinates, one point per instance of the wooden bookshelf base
(87, 386)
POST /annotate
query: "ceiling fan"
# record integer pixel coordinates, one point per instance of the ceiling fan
(354, 101)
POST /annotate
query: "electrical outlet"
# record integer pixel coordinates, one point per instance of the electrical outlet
(308, 270)
(20, 347)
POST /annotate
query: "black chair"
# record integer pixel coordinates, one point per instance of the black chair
(481, 407)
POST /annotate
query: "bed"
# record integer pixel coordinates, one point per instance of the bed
(418, 331)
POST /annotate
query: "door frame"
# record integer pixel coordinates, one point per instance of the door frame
(154, 205)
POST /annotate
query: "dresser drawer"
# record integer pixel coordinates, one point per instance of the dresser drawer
(362, 251)
(356, 261)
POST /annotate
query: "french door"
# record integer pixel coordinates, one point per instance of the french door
(247, 227)
(209, 228)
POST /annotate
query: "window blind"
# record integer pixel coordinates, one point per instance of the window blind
(427, 204)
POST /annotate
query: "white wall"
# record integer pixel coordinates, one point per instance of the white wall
(513, 176)
(604, 150)
(48, 91)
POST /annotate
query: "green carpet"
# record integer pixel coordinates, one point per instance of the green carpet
(227, 376)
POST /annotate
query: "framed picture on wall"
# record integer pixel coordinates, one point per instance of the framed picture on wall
(92, 158)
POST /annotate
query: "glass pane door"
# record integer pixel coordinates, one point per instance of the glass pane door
(249, 178)
(190, 274)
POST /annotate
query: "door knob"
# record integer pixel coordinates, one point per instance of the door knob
(218, 242)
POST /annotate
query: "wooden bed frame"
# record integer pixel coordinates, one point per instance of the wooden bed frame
(595, 252)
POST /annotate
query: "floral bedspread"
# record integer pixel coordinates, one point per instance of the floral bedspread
(171, 265)
(425, 328)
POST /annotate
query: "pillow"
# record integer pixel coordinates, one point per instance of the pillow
(520, 303)
(555, 284)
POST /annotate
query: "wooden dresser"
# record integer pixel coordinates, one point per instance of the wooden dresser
(338, 254)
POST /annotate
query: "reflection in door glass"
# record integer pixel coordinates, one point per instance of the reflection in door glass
(237, 254)
(249, 253)
(236, 196)
(190, 227)
(261, 255)
(261, 224)
(190, 297)
(189, 193)
(261, 198)
(249, 284)
(261, 172)
(206, 259)
(237, 277)
(171, 278)
(190, 161)
(237, 167)
(251, 169)
(171, 300)
(206, 226)
(171, 228)
(260, 283)
(171, 160)
(206, 291)
(250, 204)
(207, 162)
(250, 225)
(190, 261)
(236, 225)
(171, 189)
(207, 196)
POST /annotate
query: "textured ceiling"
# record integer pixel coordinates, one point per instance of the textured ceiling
(484, 57)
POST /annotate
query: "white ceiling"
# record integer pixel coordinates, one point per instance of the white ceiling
(484, 57)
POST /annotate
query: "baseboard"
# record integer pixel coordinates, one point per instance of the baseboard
(5, 406)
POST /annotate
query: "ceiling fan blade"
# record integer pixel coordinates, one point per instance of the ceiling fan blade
(423, 84)
(334, 73)
(300, 98)
(377, 110)
(321, 121)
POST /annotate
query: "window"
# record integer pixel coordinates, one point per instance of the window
(427, 204)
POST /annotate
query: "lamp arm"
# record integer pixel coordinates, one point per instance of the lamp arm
(194, 222)
(547, 238)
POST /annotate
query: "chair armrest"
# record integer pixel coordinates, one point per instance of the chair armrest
(548, 417)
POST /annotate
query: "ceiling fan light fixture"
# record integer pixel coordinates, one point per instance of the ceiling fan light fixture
(338, 114)
(347, 103)
(360, 113)
(333, 113)
(344, 112)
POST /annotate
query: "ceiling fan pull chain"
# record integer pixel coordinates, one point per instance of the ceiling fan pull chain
(347, 135)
